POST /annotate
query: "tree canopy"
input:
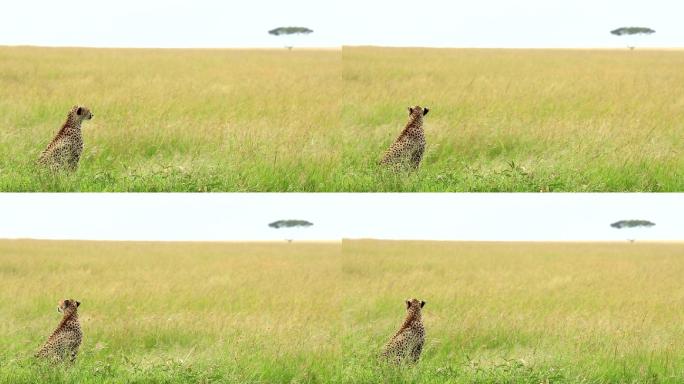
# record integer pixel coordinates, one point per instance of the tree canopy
(290, 224)
(290, 31)
(632, 31)
(632, 224)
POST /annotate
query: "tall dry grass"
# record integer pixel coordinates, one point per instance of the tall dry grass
(319, 313)
(272, 120)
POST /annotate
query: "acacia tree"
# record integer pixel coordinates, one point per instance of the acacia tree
(290, 224)
(630, 225)
(632, 31)
(290, 31)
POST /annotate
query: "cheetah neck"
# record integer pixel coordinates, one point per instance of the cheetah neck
(75, 124)
(416, 122)
(411, 319)
(72, 125)
(414, 126)
(69, 320)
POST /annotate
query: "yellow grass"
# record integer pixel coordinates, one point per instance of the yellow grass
(320, 312)
(318, 120)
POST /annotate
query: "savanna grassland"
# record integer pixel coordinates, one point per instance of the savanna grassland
(181, 313)
(320, 312)
(520, 312)
(319, 120)
(521, 120)
(173, 120)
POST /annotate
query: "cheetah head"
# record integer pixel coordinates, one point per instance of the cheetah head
(414, 305)
(68, 306)
(417, 111)
(80, 113)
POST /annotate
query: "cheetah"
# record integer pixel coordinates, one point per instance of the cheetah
(65, 149)
(66, 339)
(410, 144)
(407, 344)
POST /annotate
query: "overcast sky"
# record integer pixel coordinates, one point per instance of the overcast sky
(448, 23)
(221, 216)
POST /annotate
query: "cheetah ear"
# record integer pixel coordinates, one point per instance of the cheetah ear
(78, 303)
(66, 302)
(408, 303)
(422, 304)
(410, 109)
(79, 111)
(425, 111)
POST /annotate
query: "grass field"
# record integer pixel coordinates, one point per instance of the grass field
(320, 312)
(317, 120)
(521, 120)
(174, 312)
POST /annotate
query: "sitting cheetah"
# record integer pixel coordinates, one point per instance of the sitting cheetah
(66, 339)
(410, 144)
(65, 149)
(407, 343)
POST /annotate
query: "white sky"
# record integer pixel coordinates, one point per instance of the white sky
(216, 23)
(228, 216)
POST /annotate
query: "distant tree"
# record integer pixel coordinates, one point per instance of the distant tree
(629, 224)
(289, 31)
(632, 31)
(290, 224)
(632, 224)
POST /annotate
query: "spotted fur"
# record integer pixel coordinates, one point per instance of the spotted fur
(407, 344)
(410, 145)
(64, 151)
(66, 339)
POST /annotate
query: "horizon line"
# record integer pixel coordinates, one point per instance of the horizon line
(342, 46)
(338, 240)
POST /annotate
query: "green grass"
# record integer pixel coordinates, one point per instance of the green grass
(173, 312)
(320, 312)
(308, 120)
(521, 120)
